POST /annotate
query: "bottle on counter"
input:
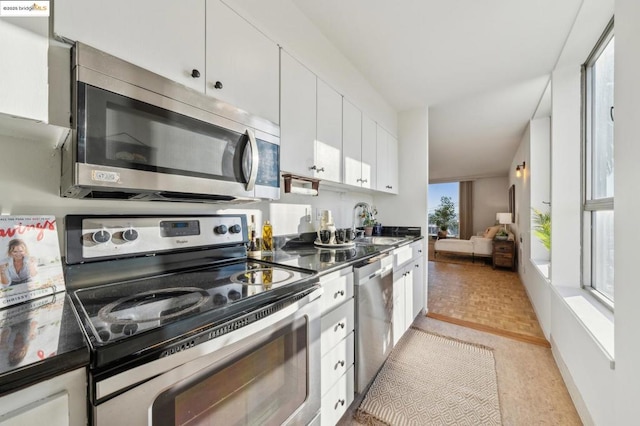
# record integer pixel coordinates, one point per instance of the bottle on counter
(267, 237)
(253, 250)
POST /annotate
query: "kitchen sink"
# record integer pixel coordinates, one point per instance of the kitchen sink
(381, 241)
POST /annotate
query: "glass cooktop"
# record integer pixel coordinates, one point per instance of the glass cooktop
(117, 311)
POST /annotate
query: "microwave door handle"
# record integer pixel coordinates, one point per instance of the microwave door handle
(253, 145)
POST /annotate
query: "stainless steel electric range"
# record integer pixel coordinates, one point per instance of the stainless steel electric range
(183, 328)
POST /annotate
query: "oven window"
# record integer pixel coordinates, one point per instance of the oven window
(264, 385)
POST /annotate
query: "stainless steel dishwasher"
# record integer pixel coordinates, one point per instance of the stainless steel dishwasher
(374, 313)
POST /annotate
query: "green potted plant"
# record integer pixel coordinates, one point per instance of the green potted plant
(502, 235)
(542, 227)
(444, 216)
(368, 220)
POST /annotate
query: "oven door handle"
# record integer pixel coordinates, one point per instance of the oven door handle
(254, 160)
(222, 346)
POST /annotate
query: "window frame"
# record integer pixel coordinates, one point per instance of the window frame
(590, 205)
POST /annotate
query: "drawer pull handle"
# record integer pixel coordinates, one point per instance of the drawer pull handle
(339, 364)
(339, 325)
(340, 402)
(339, 293)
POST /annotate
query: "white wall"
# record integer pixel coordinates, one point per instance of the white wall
(627, 206)
(595, 386)
(540, 178)
(490, 196)
(565, 175)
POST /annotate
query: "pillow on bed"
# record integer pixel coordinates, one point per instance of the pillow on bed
(491, 231)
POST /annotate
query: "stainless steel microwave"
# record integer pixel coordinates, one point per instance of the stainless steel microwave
(139, 136)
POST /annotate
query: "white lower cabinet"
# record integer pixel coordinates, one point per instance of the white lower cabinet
(408, 287)
(336, 401)
(337, 343)
(61, 400)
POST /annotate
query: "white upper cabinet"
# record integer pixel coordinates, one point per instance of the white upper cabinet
(369, 150)
(298, 117)
(328, 150)
(164, 37)
(387, 162)
(24, 44)
(242, 63)
(352, 143)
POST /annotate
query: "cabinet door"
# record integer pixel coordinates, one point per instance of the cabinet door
(298, 117)
(387, 165)
(382, 163)
(369, 149)
(328, 152)
(352, 143)
(164, 37)
(24, 44)
(392, 175)
(398, 305)
(243, 60)
(408, 298)
(419, 290)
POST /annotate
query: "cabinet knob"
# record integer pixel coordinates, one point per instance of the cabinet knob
(339, 293)
(217, 85)
(316, 168)
(339, 325)
(339, 364)
(389, 187)
(339, 403)
(195, 73)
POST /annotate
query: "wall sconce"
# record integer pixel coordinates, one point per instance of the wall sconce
(520, 169)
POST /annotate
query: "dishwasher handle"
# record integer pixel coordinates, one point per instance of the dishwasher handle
(374, 267)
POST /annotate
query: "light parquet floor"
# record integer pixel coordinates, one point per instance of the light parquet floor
(479, 297)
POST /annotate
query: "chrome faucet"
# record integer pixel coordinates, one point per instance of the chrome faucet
(362, 205)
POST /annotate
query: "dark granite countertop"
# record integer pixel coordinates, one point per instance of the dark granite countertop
(325, 260)
(39, 339)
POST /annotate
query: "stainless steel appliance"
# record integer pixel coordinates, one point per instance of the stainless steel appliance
(184, 329)
(374, 314)
(139, 136)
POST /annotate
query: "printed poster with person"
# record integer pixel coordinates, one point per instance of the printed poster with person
(30, 265)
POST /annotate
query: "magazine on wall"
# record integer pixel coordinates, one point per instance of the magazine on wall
(30, 265)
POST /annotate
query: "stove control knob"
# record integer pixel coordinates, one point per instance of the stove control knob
(130, 235)
(220, 229)
(235, 229)
(101, 236)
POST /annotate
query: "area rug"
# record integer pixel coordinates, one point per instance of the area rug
(433, 380)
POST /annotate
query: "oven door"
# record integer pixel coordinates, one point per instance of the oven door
(265, 373)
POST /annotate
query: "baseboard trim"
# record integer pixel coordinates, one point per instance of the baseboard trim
(493, 330)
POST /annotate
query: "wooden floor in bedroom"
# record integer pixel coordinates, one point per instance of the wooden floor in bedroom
(486, 299)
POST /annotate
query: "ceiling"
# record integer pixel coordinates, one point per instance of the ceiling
(481, 67)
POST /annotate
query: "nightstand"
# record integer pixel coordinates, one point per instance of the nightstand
(504, 254)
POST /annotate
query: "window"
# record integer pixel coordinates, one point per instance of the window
(435, 200)
(598, 210)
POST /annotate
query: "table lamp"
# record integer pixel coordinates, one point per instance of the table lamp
(504, 219)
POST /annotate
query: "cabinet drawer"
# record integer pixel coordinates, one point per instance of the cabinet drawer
(401, 256)
(502, 248)
(336, 362)
(336, 325)
(337, 290)
(417, 249)
(503, 261)
(336, 401)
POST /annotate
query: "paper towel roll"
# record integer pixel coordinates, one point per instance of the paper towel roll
(303, 191)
